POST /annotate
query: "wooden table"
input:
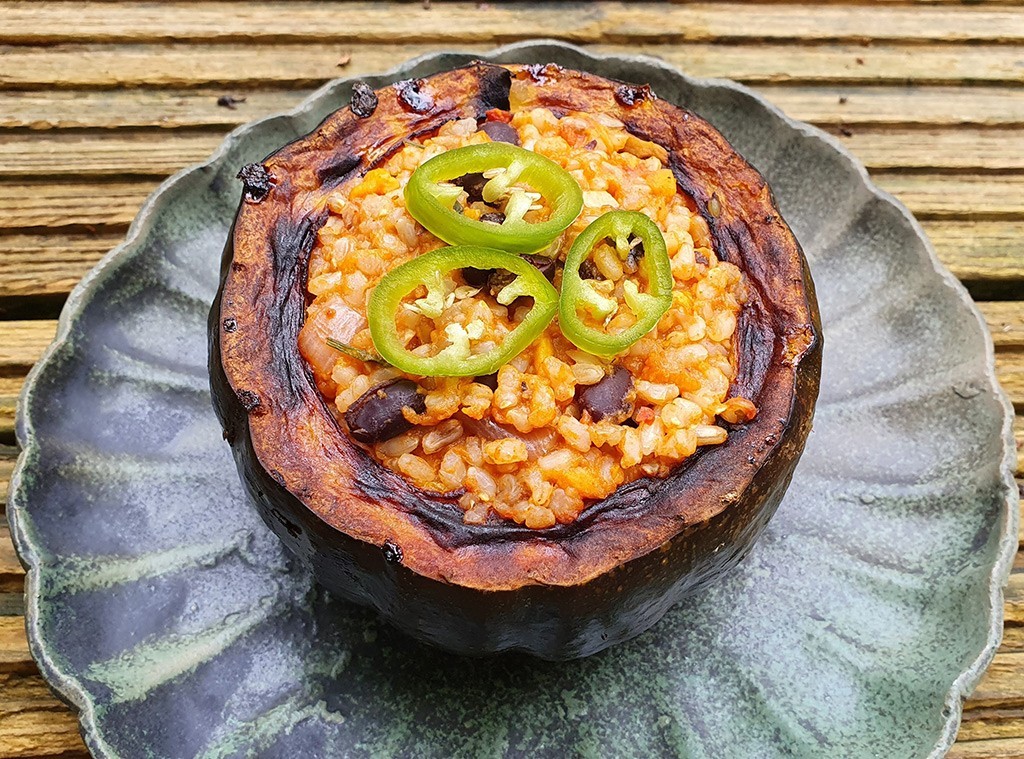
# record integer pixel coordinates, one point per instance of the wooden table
(99, 101)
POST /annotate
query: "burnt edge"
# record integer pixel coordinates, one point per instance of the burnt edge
(437, 512)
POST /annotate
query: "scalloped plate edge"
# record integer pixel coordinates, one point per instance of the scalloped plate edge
(66, 685)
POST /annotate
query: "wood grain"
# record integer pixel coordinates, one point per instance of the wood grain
(64, 204)
(33, 723)
(51, 263)
(931, 196)
(468, 22)
(8, 455)
(1005, 322)
(22, 342)
(12, 576)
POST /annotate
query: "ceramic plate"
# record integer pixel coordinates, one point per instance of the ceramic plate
(164, 611)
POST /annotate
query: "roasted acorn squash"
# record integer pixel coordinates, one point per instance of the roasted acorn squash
(369, 536)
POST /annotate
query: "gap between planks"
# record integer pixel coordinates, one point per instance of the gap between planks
(147, 153)
(309, 64)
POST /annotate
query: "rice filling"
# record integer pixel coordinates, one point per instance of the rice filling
(556, 427)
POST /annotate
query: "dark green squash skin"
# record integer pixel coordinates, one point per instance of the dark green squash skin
(560, 593)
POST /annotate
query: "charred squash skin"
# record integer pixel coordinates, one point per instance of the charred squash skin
(368, 535)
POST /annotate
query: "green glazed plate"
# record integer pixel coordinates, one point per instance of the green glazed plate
(163, 610)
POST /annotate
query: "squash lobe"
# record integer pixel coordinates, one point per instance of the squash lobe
(369, 536)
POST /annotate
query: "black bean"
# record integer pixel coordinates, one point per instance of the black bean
(377, 414)
(364, 100)
(473, 184)
(543, 264)
(392, 552)
(499, 131)
(488, 380)
(499, 279)
(495, 279)
(493, 217)
(589, 270)
(636, 252)
(476, 277)
(611, 398)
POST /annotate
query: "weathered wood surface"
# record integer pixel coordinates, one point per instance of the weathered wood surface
(99, 101)
(467, 21)
(179, 64)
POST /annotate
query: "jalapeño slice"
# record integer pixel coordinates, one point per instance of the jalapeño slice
(622, 229)
(430, 196)
(457, 359)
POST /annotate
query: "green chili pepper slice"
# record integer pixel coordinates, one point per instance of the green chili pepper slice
(430, 196)
(457, 358)
(579, 294)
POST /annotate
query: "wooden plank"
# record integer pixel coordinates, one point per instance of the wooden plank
(33, 722)
(9, 389)
(71, 204)
(14, 652)
(1013, 637)
(1002, 684)
(115, 154)
(988, 724)
(985, 251)
(147, 153)
(971, 198)
(55, 109)
(1010, 371)
(836, 105)
(1006, 323)
(12, 576)
(8, 455)
(33, 265)
(469, 21)
(996, 748)
(51, 263)
(22, 342)
(957, 149)
(1014, 600)
(853, 106)
(76, 204)
(309, 64)
(1018, 436)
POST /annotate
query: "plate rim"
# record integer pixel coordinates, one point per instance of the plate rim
(66, 686)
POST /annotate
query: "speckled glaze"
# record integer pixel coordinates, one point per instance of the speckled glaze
(161, 607)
